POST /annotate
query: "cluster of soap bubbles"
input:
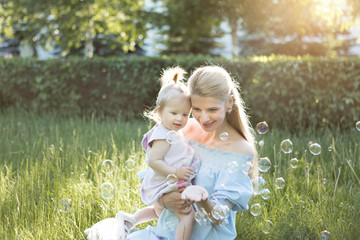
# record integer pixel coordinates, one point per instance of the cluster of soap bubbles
(219, 213)
(259, 184)
(264, 164)
(236, 167)
(108, 166)
(107, 189)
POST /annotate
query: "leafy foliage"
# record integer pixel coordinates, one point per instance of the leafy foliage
(284, 91)
(189, 26)
(71, 24)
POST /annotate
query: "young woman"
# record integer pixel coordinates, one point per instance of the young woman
(222, 137)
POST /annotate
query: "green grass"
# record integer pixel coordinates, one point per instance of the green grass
(44, 159)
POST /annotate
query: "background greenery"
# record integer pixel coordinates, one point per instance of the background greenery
(296, 92)
(115, 27)
(45, 159)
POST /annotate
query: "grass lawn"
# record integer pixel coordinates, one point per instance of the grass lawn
(52, 170)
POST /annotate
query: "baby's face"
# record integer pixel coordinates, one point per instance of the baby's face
(175, 113)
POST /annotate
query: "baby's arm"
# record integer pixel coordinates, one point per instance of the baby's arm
(156, 161)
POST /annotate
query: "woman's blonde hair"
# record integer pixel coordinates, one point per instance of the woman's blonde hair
(215, 81)
(171, 85)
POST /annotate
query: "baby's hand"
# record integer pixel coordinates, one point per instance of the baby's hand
(184, 173)
(195, 193)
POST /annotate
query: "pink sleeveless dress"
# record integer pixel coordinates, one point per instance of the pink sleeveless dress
(154, 184)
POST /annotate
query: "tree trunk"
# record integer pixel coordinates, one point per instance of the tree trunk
(89, 52)
(89, 44)
(26, 49)
(234, 37)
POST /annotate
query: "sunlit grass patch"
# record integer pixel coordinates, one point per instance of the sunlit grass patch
(51, 170)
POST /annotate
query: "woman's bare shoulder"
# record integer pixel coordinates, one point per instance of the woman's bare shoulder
(243, 147)
(191, 126)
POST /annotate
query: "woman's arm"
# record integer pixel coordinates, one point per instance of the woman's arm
(173, 202)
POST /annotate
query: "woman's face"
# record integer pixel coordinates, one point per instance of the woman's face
(210, 112)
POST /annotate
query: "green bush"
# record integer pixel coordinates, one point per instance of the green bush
(284, 91)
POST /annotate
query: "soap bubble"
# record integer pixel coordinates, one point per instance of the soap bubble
(233, 167)
(224, 136)
(107, 190)
(170, 226)
(224, 222)
(258, 184)
(220, 212)
(330, 148)
(246, 168)
(265, 194)
(172, 137)
(264, 164)
(200, 219)
(204, 213)
(123, 186)
(266, 226)
(294, 162)
(171, 179)
(357, 125)
(286, 146)
(261, 143)
(65, 205)
(255, 209)
(262, 127)
(130, 165)
(315, 149)
(325, 235)
(218, 188)
(279, 183)
(107, 166)
(19, 237)
(324, 181)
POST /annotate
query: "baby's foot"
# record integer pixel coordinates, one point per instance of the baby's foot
(195, 193)
(126, 221)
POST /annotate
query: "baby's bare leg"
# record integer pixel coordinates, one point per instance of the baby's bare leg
(186, 223)
(146, 214)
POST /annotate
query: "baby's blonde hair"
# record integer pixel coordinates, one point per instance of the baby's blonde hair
(171, 86)
(216, 82)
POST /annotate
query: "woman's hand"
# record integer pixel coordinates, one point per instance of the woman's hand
(195, 194)
(173, 202)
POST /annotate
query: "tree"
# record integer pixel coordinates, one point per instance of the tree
(236, 11)
(297, 27)
(73, 24)
(189, 26)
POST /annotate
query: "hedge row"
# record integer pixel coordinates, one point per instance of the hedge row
(284, 91)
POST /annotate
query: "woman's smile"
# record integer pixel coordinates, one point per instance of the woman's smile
(208, 125)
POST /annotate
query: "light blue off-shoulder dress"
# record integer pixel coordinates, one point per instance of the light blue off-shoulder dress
(221, 175)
